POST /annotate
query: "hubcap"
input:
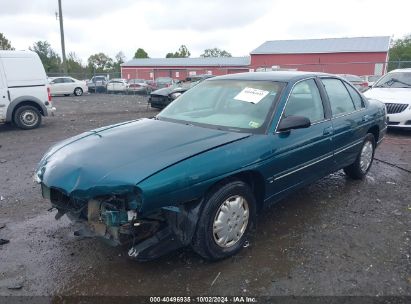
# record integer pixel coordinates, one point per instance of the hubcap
(366, 156)
(29, 118)
(230, 221)
(78, 92)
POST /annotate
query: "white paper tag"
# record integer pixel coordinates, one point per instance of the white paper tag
(251, 95)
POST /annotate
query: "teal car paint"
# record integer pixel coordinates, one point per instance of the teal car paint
(148, 180)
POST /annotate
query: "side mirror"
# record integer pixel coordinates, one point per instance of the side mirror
(293, 122)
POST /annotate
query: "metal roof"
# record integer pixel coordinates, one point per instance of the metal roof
(187, 62)
(328, 45)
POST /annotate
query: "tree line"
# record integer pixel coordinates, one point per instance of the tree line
(97, 63)
(400, 51)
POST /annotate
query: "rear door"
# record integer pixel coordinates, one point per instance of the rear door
(348, 120)
(68, 85)
(4, 98)
(302, 155)
(57, 86)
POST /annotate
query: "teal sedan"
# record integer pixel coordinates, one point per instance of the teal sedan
(199, 172)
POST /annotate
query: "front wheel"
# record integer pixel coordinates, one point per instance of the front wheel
(27, 117)
(78, 91)
(363, 162)
(225, 221)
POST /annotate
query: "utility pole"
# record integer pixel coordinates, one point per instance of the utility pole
(63, 47)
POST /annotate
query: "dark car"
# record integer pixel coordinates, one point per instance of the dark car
(163, 97)
(199, 172)
(357, 81)
(164, 82)
(97, 84)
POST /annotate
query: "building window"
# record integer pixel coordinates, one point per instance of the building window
(177, 74)
(210, 72)
(192, 73)
(151, 75)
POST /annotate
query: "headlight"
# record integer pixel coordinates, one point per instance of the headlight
(175, 95)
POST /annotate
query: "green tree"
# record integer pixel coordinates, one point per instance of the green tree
(5, 44)
(50, 59)
(100, 62)
(141, 53)
(215, 52)
(75, 66)
(120, 58)
(182, 52)
(400, 51)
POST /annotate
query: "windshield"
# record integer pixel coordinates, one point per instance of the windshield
(395, 80)
(226, 104)
(136, 81)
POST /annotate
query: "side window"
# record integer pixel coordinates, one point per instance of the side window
(68, 80)
(340, 99)
(58, 80)
(305, 100)
(358, 102)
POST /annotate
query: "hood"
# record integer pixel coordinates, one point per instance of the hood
(125, 154)
(390, 95)
(163, 91)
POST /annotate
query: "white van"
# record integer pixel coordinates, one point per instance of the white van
(24, 89)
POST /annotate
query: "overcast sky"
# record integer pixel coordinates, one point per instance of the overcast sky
(161, 26)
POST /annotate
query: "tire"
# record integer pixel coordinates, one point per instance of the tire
(225, 221)
(27, 117)
(363, 162)
(78, 91)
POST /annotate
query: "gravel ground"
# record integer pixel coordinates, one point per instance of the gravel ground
(335, 237)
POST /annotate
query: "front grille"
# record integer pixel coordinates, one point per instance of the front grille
(157, 98)
(394, 108)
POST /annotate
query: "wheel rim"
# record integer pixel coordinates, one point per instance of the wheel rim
(230, 221)
(78, 92)
(366, 156)
(29, 118)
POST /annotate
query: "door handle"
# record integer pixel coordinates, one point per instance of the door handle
(328, 131)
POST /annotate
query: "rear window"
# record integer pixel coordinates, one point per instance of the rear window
(164, 80)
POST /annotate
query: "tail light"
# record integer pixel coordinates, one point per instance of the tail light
(48, 95)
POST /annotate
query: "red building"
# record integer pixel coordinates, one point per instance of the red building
(181, 68)
(359, 56)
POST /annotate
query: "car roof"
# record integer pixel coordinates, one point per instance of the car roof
(401, 70)
(270, 76)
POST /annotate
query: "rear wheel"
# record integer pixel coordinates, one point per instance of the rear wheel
(364, 160)
(27, 117)
(78, 91)
(225, 221)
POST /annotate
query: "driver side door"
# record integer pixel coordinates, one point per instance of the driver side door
(301, 155)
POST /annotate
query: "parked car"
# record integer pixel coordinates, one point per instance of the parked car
(357, 81)
(66, 86)
(394, 89)
(163, 97)
(97, 84)
(370, 79)
(139, 86)
(197, 173)
(117, 86)
(24, 89)
(164, 82)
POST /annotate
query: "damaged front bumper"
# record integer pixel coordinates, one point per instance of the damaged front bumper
(117, 221)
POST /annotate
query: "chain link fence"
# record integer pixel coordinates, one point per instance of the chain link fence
(354, 68)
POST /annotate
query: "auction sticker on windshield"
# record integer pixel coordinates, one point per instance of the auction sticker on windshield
(251, 95)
